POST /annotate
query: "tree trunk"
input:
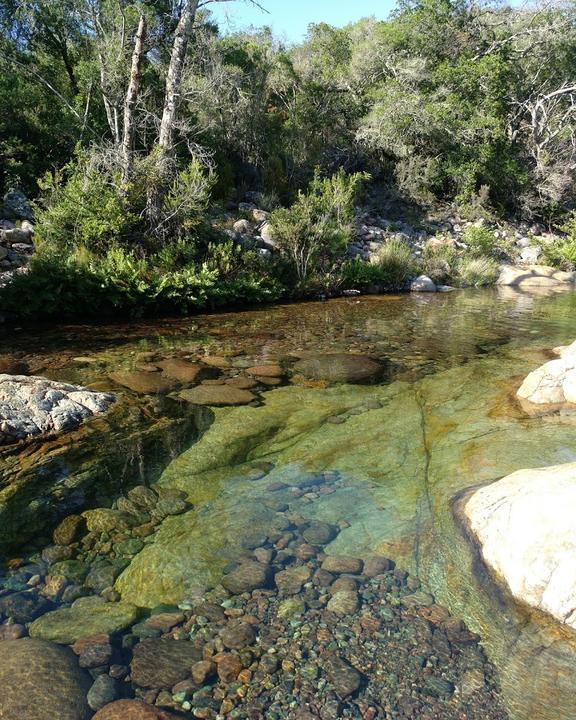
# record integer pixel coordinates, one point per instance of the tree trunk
(130, 102)
(174, 76)
(157, 189)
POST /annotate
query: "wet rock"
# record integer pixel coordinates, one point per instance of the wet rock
(242, 382)
(101, 577)
(41, 681)
(143, 497)
(344, 602)
(132, 710)
(12, 632)
(344, 678)
(32, 406)
(162, 663)
(93, 651)
(342, 564)
(340, 367)
(217, 395)
(319, 533)
(203, 670)
(247, 577)
(237, 636)
(69, 530)
(437, 687)
(229, 666)
(187, 373)
(377, 565)
(25, 606)
(87, 616)
(266, 371)
(144, 383)
(104, 690)
(106, 520)
(290, 581)
(56, 553)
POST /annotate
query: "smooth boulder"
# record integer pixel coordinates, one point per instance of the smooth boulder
(41, 681)
(525, 530)
(534, 276)
(339, 367)
(31, 406)
(554, 382)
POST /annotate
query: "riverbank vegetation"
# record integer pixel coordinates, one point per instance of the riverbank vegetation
(140, 132)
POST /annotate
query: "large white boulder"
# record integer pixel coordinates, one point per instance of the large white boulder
(554, 382)
(31, 406)
(525, 529)
(534, 276)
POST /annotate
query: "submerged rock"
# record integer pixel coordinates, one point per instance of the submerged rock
(41, 681)
(340, 367)
(132, 710)
(525, 530)
(144, 383)
(88, 616)
(32, 406)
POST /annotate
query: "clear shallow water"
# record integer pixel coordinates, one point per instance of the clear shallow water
(445, 420)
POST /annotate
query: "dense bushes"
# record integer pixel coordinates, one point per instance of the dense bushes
(315, 231)
(117, 283)
(388, 270)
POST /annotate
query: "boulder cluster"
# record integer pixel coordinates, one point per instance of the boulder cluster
(16, 234)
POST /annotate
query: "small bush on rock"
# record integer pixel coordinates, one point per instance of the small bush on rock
(389, 269)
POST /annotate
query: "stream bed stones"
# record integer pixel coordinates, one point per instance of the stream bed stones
(290, 632)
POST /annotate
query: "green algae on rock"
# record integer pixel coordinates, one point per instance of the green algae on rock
(86, 617)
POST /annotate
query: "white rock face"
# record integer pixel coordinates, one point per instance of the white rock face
(31, 406)
(524, 525)
(534, 276)
(422, 284)
(554, 382)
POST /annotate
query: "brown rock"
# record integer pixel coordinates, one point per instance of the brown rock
(344, 678)
(12, 632)
(342, 564)
(247, 577)
(377, 565)
(238, 635)
(229, 667)
(202, 670)
(242, 382)
(339, 367)
(164, 621)
(266, 371)
(69, 530)
(41, 681)
(132, 710)
(144, 383)
(290, 581)
(186, 372)
(344, 602)
(163, 663)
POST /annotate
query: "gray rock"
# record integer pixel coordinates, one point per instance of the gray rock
(16, 235)
(531, 254)
(243, 227)
(103, 691)
(16, 205)
(32, 406)
(422, 284)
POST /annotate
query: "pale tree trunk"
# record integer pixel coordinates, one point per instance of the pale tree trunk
(157, 189)
(130, 102)
(174, 76)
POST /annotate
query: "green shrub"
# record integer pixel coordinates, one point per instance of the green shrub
(80, 206)
(477, 271)
(562, 253)
(481, 241)
(390, 268)
(315, 231)
(440, 263)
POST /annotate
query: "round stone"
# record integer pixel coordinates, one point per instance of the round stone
(41, 681)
